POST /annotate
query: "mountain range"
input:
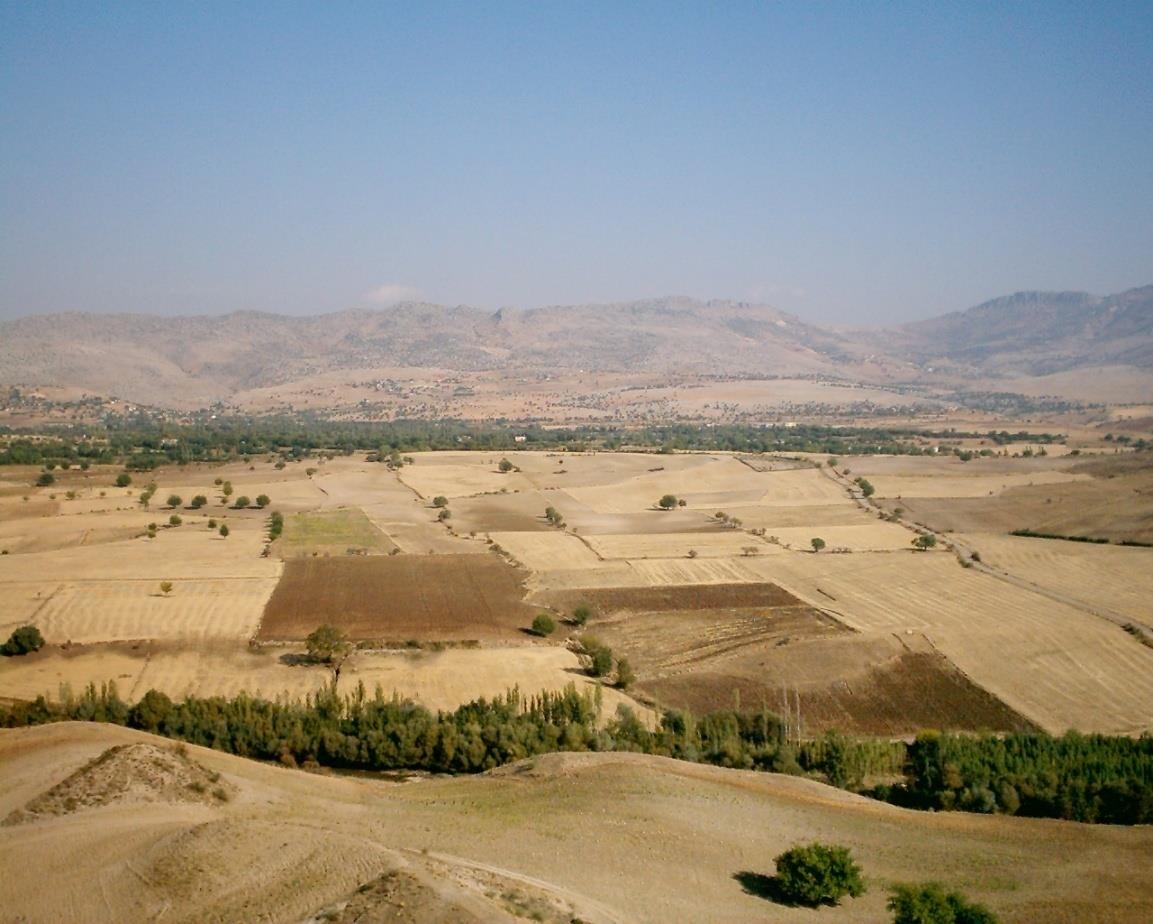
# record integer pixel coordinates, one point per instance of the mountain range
(196, 360)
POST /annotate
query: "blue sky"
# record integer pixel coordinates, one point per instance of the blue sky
(849, 162)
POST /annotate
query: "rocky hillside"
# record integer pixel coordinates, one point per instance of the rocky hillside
(1040, 332)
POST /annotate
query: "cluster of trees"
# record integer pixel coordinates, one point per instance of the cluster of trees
(22, 641)
(275, 525)
(1093, 778)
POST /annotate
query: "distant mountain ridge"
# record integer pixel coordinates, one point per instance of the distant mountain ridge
(1041, 332)
(195, 360)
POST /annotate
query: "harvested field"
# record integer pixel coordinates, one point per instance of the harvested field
(1058, 666)
(687, 598)
(803, 488)
(874, 536)
(544, 551)
(774, 518)
(332, 532)
(394, 598)
(710, 478)
(720, 543)
(117, 610)
(976, 484)
(655, 572)
(430, 477)
(1118, 578)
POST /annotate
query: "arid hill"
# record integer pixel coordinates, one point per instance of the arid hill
(197, 360)
(593, 837)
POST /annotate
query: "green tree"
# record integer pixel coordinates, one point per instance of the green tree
(817, 543)
(818, 874)
(581, 615)
(929, 903)
(242, 502)
(166, 587)
(226, 489)
(506, 466)
(543, 624)
(175, 500)
(263, 500)
(440, 501)
(149, 714)
(175, 520)
(327, 644)
(668, 502)
(22, 641)
(224, 530)
(925, 542)
(123, 480)
(866, 488)
(46, 479)
(198, 501)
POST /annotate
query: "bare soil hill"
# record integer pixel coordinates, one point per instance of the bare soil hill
(595, 837)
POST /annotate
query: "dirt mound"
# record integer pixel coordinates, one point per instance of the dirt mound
(442, 890)
(129, 774)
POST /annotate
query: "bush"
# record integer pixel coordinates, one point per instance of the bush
(602, 661)
(543, 625)
(929, 903)
(224, 530)
(581, 615)
(440, 501)
(45, 479)
(22, 641)
(668, 502)
(625, 676)
(123, 480)
(818, 874)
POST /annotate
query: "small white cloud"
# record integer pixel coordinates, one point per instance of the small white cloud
(392, 292)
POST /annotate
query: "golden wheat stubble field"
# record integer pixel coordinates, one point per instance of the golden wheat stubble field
(910, 626)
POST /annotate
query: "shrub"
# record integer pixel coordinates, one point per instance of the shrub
(929, 903)
(668, 502)
(581, 615)
(224, 530)
(242, 502)
(625, 675)
(602, 661)
(123, 480)
(543, 624)
(45, 479)
(818, 874)
(440, 501)
(22, 641)
(175, 500)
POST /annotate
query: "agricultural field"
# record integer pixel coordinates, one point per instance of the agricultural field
(434, 597)
(865, 635)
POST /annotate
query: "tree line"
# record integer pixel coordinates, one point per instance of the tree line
(1092, 778)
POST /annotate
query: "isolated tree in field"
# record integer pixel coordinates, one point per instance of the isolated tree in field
(123, 480)
(543, 625)
(818, 874)
(45, 479)
(166, 587)
(925, 542)
(506, 466)
(242, 502)
(817, 543)
(668, 502)
(263, 500)
(224, 530)
(327, 644)
(22, 641)
(440, 501)
(175, 500)
(198, 501)
(929, 903)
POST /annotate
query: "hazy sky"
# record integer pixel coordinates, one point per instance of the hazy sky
(849, 162)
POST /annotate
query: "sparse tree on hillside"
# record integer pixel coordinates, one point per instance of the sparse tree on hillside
(543, 625)
(581, 615)
(818, 874)
(929, 903)
(668, 502)
(817, 543)
(925, 542)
